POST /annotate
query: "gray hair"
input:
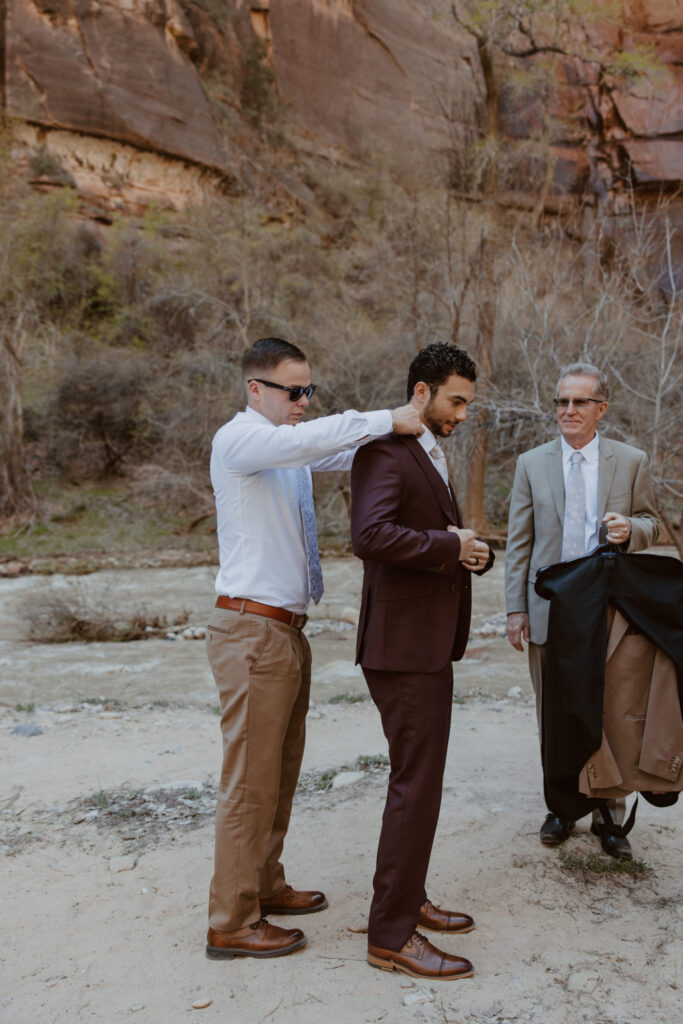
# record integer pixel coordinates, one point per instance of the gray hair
(600, 388)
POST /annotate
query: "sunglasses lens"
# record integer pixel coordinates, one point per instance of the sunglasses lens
(296, 393)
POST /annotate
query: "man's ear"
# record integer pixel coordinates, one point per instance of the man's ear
(252, 388)
(421, 394)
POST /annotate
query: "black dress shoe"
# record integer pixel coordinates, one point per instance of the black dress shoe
(615, 846)
(555, 830)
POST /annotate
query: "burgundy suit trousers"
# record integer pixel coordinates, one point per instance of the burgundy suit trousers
(416, 718)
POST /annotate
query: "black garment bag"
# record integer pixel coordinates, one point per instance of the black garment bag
(648, 591)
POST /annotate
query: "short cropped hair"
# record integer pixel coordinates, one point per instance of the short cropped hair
(601, 385)
(267, 353)
(436, 363)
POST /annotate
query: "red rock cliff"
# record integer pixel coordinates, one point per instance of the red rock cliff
(105, 81)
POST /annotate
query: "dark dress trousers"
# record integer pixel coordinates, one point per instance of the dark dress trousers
(414, 621)
(648, 591)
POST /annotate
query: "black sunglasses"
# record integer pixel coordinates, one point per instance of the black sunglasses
(294, 393)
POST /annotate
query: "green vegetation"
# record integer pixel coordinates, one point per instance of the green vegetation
(316, 782)
(348, 698)
(593, 864)
(43, 163)
(258, 97)
(96, 519)
(372, 761)
(99, 799)
(325, 779)
(30, 707)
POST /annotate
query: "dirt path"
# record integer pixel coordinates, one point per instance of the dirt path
(82, 941)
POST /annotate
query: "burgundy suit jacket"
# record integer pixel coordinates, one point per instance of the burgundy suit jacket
(415, 610)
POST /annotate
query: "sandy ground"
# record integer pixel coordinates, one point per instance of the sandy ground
(125, 765)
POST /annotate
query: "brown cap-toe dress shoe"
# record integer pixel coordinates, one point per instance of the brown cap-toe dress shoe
(420, 959)
(259, 939)
(438, 920)
(293, 901)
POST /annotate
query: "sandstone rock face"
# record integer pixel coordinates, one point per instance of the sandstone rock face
(377, 77)
(117, 70)
(102, 81)
(114, 176)
(631, 132)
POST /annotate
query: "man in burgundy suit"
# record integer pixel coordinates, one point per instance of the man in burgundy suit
(414, 622)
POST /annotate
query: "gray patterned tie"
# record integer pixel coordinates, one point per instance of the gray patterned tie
(439, 459)
(315, 573)
(573, 533)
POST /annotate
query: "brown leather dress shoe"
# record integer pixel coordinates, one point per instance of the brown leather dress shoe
(438, 920)
(420, 959)
(259, 939)
(293, 901)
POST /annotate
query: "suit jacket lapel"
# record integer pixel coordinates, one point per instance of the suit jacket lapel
(607, 465)
(553, 468)
(441, 492)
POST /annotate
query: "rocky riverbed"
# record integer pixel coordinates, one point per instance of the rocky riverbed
(106, 802)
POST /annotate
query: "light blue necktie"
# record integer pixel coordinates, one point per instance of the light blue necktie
(315, 573)
(574, 533)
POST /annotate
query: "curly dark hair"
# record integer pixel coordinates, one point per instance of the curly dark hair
(267, 353)
(436, 363)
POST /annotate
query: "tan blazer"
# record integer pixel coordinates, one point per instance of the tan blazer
(537, 515)
(642, 739)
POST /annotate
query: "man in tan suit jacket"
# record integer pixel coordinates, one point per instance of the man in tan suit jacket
(614, 488)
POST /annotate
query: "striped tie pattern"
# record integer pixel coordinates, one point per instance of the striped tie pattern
(315, 573)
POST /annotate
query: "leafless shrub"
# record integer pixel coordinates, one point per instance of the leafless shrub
(176, 490)
(99, 415)
(66, 613)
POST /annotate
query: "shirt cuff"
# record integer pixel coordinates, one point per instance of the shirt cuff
(378, 422)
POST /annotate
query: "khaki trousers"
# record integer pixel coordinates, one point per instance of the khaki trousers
(262, 669)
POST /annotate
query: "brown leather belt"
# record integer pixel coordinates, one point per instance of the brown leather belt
(238, 604)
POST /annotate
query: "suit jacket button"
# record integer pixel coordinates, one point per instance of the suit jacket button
(455, 586)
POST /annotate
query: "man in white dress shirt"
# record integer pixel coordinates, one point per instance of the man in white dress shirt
(563, 491)
(261, 466)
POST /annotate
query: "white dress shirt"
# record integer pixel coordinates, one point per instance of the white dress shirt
(428, 441)
(589, 468)
(253, 472)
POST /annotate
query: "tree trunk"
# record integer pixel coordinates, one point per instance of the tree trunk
(475, 517)
(17, 499)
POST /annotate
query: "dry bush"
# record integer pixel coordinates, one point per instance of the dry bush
(66, 614)
(612, 301)
(176, 490)
(99, 415)
(132, 357)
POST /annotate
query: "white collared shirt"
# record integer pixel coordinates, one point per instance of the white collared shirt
(589, 468)
(253, 472)
(427, 441)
